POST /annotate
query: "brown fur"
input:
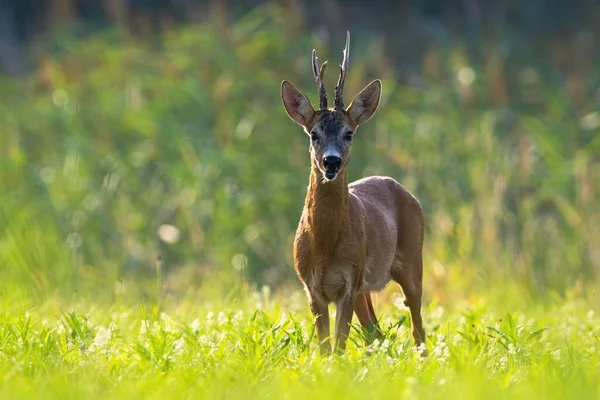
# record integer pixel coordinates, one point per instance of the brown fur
(353, 239)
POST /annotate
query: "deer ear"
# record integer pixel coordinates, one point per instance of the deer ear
(365, 103)
(296, 104)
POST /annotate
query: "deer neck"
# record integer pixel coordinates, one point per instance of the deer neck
(327, 205)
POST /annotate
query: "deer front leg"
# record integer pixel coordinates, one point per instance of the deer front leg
(344, 310)
(320, 312)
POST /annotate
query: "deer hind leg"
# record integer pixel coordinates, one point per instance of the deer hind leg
(409, 276)
(363, 307)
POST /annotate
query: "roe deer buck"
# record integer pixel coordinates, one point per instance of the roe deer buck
(352, 239)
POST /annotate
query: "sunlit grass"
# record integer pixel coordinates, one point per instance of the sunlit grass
(192, 349)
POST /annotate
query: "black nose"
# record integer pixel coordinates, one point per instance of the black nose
(332, 162)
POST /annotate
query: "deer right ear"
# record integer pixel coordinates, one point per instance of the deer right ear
(365, 103)
(296, 104)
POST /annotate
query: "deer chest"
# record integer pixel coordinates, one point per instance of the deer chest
(331, 283)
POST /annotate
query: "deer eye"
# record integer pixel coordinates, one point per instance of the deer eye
(348, 136)
(314, 137)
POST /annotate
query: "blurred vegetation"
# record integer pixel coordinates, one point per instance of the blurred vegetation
(118, 148)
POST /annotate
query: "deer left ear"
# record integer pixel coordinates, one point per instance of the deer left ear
(365, 103)
(296, 104)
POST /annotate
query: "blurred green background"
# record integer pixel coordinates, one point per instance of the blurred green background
(135, 129)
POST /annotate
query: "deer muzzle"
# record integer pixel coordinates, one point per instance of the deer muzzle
(331, 164)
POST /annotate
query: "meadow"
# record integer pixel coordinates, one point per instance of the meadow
(150, 190)
(265, 347)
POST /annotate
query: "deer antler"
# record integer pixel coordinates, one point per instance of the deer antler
(319, 79)
(339, 101)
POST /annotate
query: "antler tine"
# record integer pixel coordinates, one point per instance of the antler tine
(319, 79)
(339, 101)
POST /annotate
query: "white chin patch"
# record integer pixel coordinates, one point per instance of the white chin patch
(329, 176)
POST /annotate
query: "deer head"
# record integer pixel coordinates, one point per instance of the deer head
(330, 129)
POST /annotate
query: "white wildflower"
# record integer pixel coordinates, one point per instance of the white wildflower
(373, 347)
(222, 319)
(421, 349)
(441, 351)
(385, 345)
(102, 338)
(195, 325)
(168, 322)
(457, 338)
(179, 347)
(392, 361)
(238, 316)
(203, 339)
(503, 361)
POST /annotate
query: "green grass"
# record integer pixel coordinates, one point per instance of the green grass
(259, 347)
